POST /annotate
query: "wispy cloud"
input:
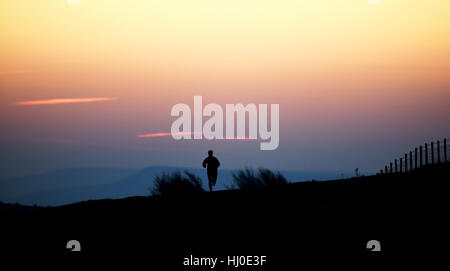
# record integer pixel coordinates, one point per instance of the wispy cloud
(64, 101)
(14, 72)
(189, 133)
(165, 134)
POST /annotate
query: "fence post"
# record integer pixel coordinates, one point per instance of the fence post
(432, 153)
(445, 150)
(401, 165)
(438, 153)
(390, 168)
(386, 170)
(421, 160)
(396, 166)
(426, 154)
(410, 161)
(415, 158)
(406, 162)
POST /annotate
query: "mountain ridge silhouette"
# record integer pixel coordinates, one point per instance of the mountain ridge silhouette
(67, 186)
(405, 212)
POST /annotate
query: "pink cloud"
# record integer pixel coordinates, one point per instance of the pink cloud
(189, 133)
(65, 101)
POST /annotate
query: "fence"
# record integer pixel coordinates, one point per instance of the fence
(429, 154)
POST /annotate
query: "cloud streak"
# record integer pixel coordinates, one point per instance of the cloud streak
(64, 101)
(189, 133)
(14, 72)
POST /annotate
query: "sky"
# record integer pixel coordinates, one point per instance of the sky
(358, 82)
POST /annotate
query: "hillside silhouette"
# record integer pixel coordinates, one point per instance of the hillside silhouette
(404, 211)
(67, 186)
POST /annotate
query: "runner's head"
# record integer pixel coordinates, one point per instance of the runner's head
(210, 152)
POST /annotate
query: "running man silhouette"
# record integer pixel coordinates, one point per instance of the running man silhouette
(212, 164)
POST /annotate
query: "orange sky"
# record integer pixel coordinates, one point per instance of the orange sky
(328, 63)
(222, 40)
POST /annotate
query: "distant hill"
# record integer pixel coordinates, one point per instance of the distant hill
(17, 189)
(80, 184)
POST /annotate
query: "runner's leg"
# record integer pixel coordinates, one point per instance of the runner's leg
(210, 183)
(214, 178)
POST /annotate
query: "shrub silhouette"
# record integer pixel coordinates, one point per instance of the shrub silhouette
(247, 179)
(176, 184)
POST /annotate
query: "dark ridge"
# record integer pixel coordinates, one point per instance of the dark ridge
(326, 217)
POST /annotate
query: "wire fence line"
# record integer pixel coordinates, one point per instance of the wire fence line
(427, 154)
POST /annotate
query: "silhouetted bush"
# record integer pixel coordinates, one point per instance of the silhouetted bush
(176, 184)
(263, 179)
